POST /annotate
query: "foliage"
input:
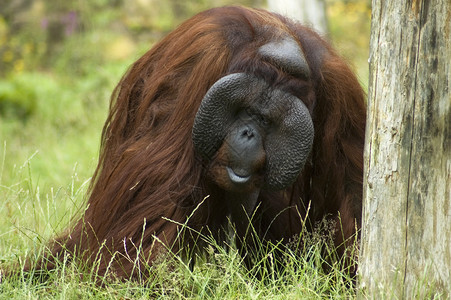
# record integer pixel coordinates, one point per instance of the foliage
(44, 34)
(349, 26)
(62, 127)
(17, 98)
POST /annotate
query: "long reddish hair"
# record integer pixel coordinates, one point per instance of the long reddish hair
(148, 179)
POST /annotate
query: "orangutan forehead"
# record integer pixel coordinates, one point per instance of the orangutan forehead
(287, 55)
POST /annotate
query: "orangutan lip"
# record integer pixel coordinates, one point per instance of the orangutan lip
(237, 178)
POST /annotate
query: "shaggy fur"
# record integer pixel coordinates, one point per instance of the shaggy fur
(149, 179)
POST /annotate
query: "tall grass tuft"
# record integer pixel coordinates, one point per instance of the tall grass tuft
(299, 271)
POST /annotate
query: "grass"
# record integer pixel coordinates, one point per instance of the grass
(220, 274)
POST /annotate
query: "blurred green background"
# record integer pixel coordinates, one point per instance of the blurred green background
(59, 62)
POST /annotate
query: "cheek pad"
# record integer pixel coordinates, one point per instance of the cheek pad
(288, 148)
(217, 112)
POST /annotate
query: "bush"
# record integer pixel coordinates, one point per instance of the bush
(17, 98)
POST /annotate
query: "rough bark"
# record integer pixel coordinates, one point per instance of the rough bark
(406, 234)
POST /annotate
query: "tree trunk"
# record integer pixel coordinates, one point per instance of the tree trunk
(406, 234)
(308, 12)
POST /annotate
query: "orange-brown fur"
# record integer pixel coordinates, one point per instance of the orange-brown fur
(148, 172)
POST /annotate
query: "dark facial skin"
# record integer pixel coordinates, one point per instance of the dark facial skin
(252, 135)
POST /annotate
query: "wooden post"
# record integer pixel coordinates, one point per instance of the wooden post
(406, 234)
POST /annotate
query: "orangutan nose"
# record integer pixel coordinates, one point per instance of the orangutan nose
(245, 143)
